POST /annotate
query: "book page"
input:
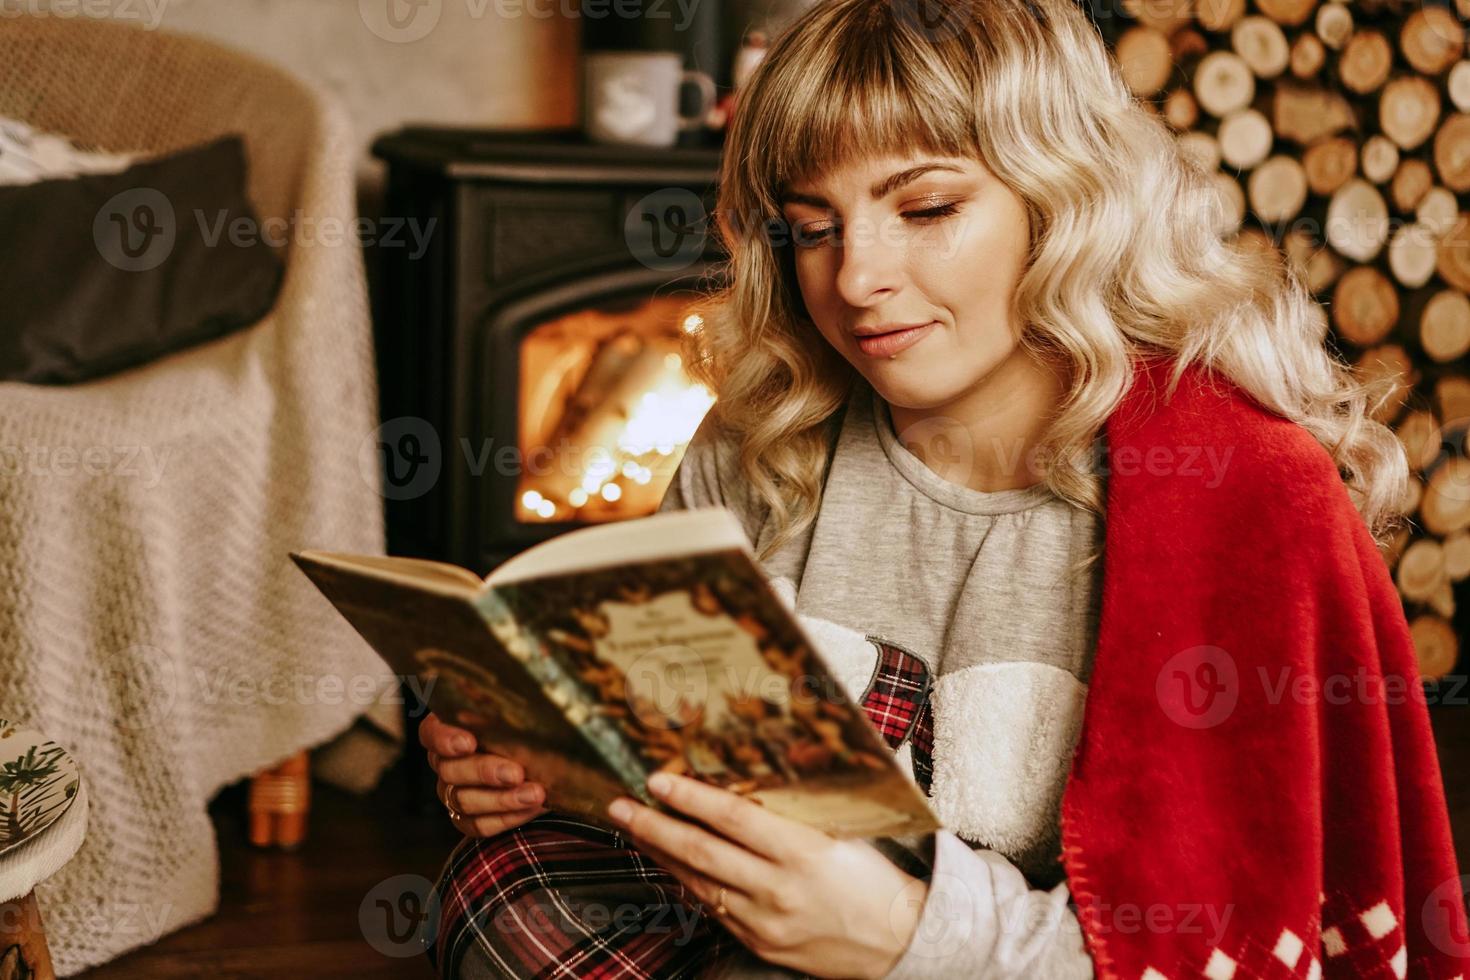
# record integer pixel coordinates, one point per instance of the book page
(430, 574)
(656, 536)
(666, 535)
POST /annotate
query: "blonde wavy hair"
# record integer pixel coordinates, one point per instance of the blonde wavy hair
(1126, 259)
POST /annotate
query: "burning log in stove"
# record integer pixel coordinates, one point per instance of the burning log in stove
(609, 409)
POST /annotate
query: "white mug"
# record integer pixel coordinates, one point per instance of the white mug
(632, 97)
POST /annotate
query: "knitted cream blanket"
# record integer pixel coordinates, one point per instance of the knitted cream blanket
(150, 619)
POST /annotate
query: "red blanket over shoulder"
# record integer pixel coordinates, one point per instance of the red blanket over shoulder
(1255, 792)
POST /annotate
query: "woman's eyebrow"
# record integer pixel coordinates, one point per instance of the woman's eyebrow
(878, 191)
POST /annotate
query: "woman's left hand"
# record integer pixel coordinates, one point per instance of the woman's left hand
(795, 896)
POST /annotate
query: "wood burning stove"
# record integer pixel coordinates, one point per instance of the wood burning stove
(529, 355)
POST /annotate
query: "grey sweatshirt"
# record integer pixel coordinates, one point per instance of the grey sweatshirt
(981, 587)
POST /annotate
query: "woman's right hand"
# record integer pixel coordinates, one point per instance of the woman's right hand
(489, 791)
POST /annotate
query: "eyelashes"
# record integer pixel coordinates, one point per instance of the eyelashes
(810, 239)
(939, 211)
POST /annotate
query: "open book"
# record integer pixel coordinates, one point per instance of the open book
(611, 652)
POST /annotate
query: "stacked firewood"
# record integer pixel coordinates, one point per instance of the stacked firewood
(1338, 136)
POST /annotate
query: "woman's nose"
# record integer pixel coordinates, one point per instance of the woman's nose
(871, 263)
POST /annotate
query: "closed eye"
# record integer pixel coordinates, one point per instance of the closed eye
(938, 211)
(811, 236)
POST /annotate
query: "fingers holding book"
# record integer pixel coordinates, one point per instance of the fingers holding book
(480, 769)
(793, 895)
(738, 818)
(480, 812)
(444, 740)
(708, 856)
(483, 793)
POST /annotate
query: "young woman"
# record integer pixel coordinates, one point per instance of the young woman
(1070, 490)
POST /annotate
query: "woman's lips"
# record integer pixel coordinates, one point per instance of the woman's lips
(889, 344)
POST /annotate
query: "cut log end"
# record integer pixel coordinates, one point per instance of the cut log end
(1436, 647)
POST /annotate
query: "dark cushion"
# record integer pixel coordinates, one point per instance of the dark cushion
(107, 271)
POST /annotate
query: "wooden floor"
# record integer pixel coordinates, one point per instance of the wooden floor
(297, 915)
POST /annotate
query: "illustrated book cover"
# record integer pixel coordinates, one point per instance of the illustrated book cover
(610, 652)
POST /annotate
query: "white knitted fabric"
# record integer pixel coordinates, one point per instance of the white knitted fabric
(150, 619)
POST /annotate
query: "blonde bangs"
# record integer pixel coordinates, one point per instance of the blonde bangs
(870, 87)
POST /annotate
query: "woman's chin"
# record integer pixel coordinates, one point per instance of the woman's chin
(908, 386)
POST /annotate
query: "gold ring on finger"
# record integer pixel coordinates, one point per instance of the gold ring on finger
(720, 903)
